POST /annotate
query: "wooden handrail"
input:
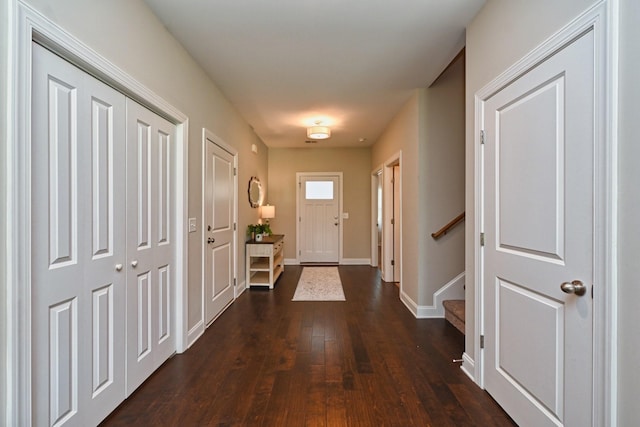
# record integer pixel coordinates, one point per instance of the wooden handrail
(448, 227)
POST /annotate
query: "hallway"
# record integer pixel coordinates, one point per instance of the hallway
(268, 361)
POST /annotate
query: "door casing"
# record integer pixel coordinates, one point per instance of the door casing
(387, 215)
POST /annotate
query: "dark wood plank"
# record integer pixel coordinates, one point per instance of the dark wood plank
(270, 361)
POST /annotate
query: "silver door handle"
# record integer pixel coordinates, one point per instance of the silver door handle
(118, 267)
(575, 287)
(211, 240)
(134, 263)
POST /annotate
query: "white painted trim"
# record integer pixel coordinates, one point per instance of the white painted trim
(454, 289)
(478, 252)
(29, 25)
(207, 135)
(602, 18)
(376, 179)
(17, 320)
(241, 288)
(451, 290)
(194, 333)
(387, 213)
(340, 176)
(356, 261)
(409, 303)
(468, 365)
(606, 331)
(345, 261)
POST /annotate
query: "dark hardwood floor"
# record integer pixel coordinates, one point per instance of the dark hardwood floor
(269, 361)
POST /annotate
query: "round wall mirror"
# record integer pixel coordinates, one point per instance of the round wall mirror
(255, 192)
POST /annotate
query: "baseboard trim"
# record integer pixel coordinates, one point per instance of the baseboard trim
(343, 261)
(240, 289)
(454, 289)
(409, 303)
(355, 261)
(195, 333)
(468, 366)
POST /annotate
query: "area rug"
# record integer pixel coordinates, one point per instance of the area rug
(319, 284)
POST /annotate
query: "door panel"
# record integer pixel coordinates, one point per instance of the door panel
(150, 281)
(319, 218)
(538, 189)
(219, 202)
(78, 295)
(540, 230)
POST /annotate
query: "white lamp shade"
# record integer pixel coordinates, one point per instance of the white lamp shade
(318, 132)
(268, 212)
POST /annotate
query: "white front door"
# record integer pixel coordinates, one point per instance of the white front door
(150, 242)
(219, 203)
(78, 224)
(539, 228)
(319, 218)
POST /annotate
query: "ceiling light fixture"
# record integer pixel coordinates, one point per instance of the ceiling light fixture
(318, 132)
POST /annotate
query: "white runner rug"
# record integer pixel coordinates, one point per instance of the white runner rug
(319, 284)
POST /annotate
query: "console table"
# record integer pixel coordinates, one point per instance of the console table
(264, 260)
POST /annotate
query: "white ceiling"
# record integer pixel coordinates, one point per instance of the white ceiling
(351, 63)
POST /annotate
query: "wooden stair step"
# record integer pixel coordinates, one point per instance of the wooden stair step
(454, 313)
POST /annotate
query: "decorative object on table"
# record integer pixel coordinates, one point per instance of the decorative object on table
(319, 284)
(257, 231)
(255, 192)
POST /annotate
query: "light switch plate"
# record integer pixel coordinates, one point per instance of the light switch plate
(345, 215)
(192, 225)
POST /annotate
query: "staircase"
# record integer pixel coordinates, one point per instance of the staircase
(454, 313)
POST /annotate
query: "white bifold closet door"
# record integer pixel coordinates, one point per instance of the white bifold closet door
(102, 244)
(78, 224)
(150, 243)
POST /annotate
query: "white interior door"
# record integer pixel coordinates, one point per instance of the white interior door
(397, 202)
(539, 228)
(319, 218)
(78, 220)
(219, 200)
(150, 245)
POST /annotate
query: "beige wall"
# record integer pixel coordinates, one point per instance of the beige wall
(129, 35)
(501, 34)
(629, 216)
(429, 131)
(402, 134)
(354, 163)
(441, 180)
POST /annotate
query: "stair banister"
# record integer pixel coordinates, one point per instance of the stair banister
(444, 230)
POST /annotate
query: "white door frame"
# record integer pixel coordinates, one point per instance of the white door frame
(29, 25)
(600, 18)
(207, 135)
(376, 179)
(387, 214)
(299, 176)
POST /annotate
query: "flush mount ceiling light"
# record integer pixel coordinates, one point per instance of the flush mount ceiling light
(318, 132)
